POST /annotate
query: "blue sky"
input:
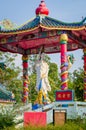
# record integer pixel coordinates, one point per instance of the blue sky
(20, 11)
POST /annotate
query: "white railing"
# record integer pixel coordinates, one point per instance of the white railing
(73, 109)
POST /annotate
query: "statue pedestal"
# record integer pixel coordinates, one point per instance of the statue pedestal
(35, 119)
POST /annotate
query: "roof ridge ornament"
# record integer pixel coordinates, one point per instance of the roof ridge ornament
(42, 9)
(7, 24)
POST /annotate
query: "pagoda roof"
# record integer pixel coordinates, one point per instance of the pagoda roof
(45, 22)
(41, 31)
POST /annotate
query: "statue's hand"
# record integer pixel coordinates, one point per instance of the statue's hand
(43, 76)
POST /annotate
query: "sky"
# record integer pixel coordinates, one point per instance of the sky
(20, 11)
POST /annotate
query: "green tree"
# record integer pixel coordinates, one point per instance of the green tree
(78, 84)
(10, 75)
(54, 80)
(16, 87)
(70, 81)
(32, 90)
(7, 117)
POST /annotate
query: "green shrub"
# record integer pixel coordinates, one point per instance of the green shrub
(67, 126)
(6, 118)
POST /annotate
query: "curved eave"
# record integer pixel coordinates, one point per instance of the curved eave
(46, 23)
(19, 31)
(45, 27)
(28, 26)
(63, 28)
(50, 23)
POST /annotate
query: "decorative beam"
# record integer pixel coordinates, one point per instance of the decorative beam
(76, 38)
(11, 48)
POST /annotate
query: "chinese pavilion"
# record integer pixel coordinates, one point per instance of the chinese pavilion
(50, 34)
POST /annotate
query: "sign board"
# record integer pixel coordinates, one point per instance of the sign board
(64, 95)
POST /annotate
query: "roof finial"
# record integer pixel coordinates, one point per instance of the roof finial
(42, 0)
(42, 9)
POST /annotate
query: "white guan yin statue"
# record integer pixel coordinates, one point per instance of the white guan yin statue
(42, 84)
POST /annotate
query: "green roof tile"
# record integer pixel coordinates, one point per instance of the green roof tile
(46, 22)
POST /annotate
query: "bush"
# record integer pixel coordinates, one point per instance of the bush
(68, 126)
(6, 118)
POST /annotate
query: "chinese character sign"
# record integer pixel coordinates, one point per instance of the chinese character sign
(64, 95)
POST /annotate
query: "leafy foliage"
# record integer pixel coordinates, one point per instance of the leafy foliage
(54, 80)
(9, 77)
(16, 87)
(69, 125)
(78, 84)
(32, 91)
(6, 118)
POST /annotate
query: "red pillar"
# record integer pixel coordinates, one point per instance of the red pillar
(84, 74)
(25, 78)
(64, 62)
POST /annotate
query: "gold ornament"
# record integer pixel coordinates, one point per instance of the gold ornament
(25, 57)
(63, 37)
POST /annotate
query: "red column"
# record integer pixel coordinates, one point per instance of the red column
(25, 78)
(84, 74)
(64, 62)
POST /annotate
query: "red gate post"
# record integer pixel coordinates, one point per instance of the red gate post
(25, 78)
(64, 63)
(84, 93)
